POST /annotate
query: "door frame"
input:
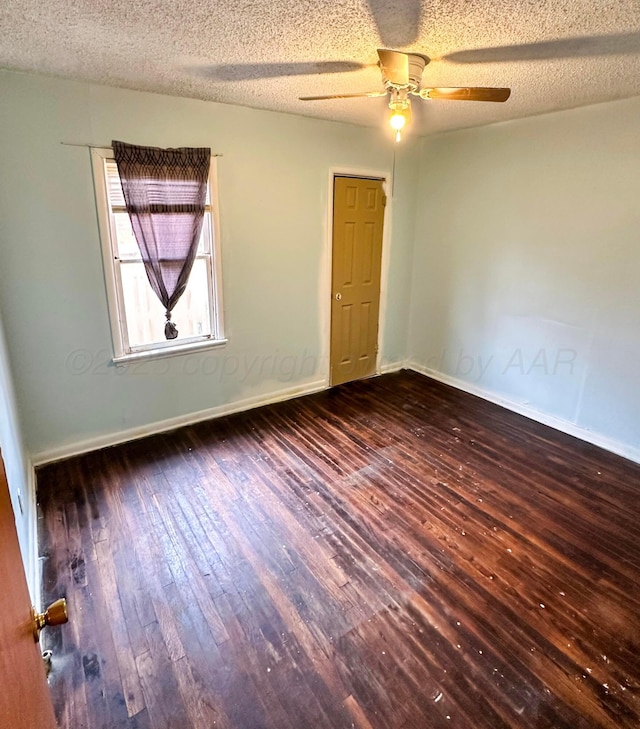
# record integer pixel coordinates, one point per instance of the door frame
(325, 286)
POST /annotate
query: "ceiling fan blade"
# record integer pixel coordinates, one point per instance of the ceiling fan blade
(394, 66)
(248, 71)
(471, 93)
(370, 94)
(398, 23)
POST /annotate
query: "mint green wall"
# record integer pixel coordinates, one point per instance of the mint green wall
(527, 267)
(274, 187)
(512, 261)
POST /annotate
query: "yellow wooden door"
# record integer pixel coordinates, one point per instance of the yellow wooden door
(24, 695)
(358, 215)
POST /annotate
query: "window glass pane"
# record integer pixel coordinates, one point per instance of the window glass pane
(128, 247)
(145, 314)
(192, 314)
(114, 188)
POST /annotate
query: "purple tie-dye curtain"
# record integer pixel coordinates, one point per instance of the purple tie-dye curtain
(165, 192)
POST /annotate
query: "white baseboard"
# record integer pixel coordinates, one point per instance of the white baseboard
(565, 426)
(162, 426)
(111, 439)
(388, 367)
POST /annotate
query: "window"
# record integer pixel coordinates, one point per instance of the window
(137, 316)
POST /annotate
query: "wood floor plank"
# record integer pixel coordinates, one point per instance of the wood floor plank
(388, 554)
(159, 685)
(124, 650)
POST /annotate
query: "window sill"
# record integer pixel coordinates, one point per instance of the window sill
(179, 349)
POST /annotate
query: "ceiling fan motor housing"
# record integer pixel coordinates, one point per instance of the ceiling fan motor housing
(417, 62)
(410, 66)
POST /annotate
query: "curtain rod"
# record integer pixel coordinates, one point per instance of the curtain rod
(108, 146)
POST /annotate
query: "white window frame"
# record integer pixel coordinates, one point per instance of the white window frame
(123, 352)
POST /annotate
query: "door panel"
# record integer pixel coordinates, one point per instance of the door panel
(348, 252)
(24, 697)
(358, 216)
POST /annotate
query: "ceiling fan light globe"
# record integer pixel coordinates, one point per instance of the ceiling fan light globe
(397, 121)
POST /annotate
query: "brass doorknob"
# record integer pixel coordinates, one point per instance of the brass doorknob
(55, 614)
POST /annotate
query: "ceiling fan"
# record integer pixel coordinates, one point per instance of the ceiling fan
(402, 76)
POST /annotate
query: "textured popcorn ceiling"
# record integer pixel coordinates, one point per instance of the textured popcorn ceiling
(554, 54)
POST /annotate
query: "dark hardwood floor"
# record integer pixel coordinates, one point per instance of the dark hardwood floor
(390, 553)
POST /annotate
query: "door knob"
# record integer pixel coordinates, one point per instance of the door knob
(338, 296)
(55, 614)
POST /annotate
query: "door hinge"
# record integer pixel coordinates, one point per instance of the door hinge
(384, 200)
